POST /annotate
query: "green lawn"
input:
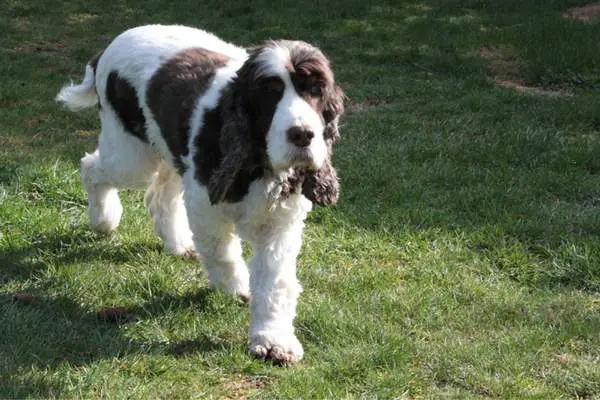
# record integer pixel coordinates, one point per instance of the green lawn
(462, 261)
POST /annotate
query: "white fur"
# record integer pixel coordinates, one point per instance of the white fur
(164, 201)
(274, 227)
(78, 97)
(272, 224)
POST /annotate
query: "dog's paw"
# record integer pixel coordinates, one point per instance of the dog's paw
(191, 254)
(245, 297)
(280, 348)
(185, 250)
(105, 210)
(239, 289)
(179, 243)
(105, 219)
(229, 277)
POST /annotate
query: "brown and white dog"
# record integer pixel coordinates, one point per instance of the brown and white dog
(234, 143)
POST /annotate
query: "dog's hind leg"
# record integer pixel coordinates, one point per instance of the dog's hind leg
(104, 206)
(120, 161)
(164, 201)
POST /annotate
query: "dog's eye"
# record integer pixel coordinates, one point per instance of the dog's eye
(272, 85)
(328, 115)
(315, 90)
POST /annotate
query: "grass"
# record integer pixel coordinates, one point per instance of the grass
(463, 260)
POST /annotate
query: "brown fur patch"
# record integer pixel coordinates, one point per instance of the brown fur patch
(310, 62)
(173, 92)
(311, 75)
(94, 64)
(94, 60)
(123, 98)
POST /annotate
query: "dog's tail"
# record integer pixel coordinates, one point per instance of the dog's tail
(78, 97)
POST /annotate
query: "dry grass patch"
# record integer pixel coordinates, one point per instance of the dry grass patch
(32, 123)
(84, 135)
(502, 61)
(82, 18)
(365, 105)
(504, 67)
(587, 13)
(242, 386)
(42, 47)
(521, 87)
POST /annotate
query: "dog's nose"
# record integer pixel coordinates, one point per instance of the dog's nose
(299, 136)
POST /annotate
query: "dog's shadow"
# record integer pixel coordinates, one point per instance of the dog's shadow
(41, 331)
(21, 262)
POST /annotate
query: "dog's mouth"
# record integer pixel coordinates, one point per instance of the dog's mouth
(297, 157)
(302, 158)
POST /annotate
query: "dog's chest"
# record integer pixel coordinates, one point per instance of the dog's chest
(272, 204)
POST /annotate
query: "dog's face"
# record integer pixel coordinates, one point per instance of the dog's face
(280, 112)
(294, 103)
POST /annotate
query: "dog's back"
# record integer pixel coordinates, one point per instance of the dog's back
(118, 78)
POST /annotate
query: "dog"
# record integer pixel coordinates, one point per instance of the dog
(232, 143)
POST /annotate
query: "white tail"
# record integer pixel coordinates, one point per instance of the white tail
(78, 97)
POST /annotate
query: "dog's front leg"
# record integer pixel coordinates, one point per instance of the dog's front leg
(275, 290)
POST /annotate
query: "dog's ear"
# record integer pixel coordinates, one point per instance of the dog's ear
(236, 140)
(322, 186)
(334, 108)
(235, 144)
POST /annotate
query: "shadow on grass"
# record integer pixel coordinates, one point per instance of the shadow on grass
(47, 332)
(79, 245)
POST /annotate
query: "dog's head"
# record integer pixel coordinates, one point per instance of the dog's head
(285, 105)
